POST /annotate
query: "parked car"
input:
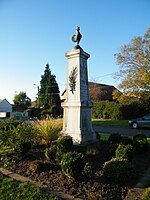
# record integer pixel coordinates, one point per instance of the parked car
(143, 122)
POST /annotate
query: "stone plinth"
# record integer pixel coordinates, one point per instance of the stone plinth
(77, 105)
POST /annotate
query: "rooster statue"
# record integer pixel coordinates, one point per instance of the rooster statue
(77, 37)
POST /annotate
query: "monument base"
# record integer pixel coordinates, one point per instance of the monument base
(77, 121)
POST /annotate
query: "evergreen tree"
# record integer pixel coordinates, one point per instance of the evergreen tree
(48, 94)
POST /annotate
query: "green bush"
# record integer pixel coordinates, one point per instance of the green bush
(112, 110)
(73, 164)
(65, 143)
(59, 155)
(109, 151)
(119, 170)
(50, 153)
(140, 143)
(26, 132)
(114, 138)
(22, 146)
(7, 131)
(127, 140)
(98, 107)
(146, 195)
(124, 151)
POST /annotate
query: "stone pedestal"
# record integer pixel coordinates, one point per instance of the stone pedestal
(77, 105)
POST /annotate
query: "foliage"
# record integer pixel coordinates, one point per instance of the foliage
(106, 110)
(119, 170)
(124, 151)
(59, 155)
(140, 143)
(98, 107)
(146, 195)
(22, 100)
(134, 62)
(115, 111)
(6, 131)
(10, 189)
(109, 151)
(65, 143)
(133, 110)
(22, 146)
(48, 94)
(50, 152)
(73, 164)
(26, 132)
(48, 128)
(127, 140)
(87, 169)
(114, 138)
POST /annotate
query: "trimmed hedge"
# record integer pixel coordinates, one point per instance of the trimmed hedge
(116, 111)
(72, 164)
(119, 170)
(140, 143)
(124, 151)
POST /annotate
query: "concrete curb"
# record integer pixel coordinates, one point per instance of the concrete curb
(133, 193)
(21, 178)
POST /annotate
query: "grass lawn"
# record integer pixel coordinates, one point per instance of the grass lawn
(105, 136)
(109, 122)
(14, 190)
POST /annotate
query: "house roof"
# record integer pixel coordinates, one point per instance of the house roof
(1, 100)
(99, 92)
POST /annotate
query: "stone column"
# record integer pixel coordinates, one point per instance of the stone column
(77, 105)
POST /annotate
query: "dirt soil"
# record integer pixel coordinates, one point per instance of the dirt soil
(92, 187)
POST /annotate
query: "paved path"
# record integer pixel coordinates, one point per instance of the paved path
(121, 130)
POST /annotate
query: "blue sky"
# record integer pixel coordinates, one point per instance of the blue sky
(36, 32)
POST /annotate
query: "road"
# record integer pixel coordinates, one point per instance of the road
(126, 131)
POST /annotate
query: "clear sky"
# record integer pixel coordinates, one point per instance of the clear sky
(36, 32)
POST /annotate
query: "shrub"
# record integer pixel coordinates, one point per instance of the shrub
(22, 147)
(73, 164)
(59, 155)
(26, 132)
(50, 153)
(146, 195)
(98, 107)
(7, 131)
(119, 170)
(127, 140)
(48, 129)
(87, 169)
(124, 151)
(109, 151)
(65, 143)
(140, 143)
(114, 138)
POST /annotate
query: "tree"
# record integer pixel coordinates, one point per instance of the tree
(48, 94)
(134, 72)
(22, 100)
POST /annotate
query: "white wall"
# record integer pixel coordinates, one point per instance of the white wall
(5, 106)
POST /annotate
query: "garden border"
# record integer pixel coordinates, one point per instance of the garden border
(21, 178)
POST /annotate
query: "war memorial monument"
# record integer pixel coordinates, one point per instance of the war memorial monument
(77, 105)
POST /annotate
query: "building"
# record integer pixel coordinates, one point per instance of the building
(5, 108)
(100, 92)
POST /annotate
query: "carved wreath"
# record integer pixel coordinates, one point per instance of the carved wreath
(73, 79)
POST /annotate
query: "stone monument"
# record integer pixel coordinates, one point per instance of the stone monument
(77, 105)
